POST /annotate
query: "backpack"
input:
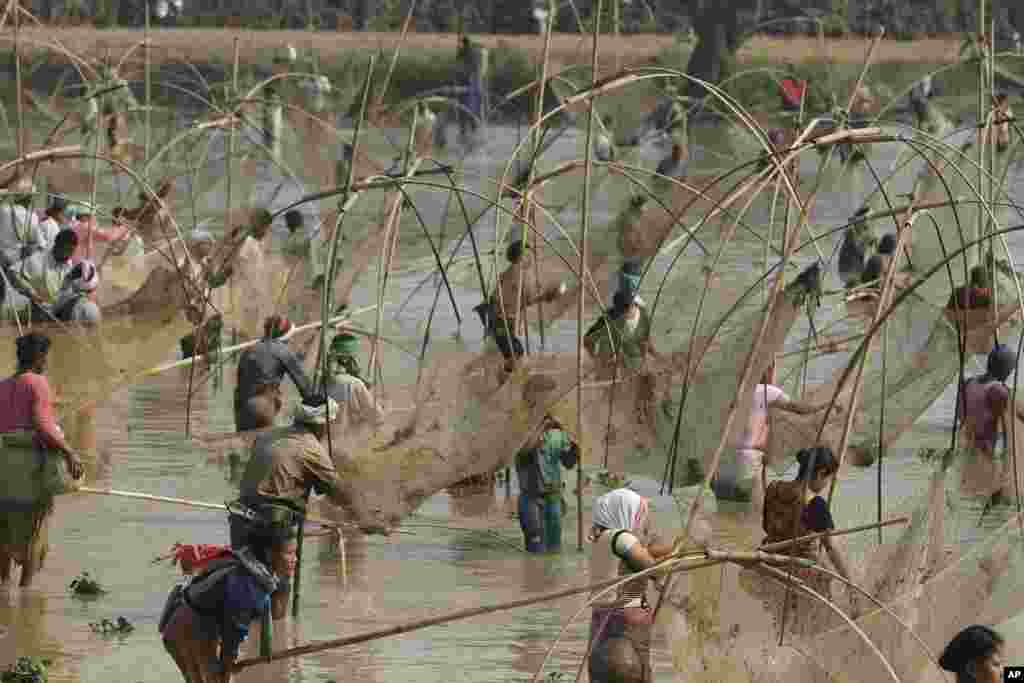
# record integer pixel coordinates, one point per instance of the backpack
(199, 592)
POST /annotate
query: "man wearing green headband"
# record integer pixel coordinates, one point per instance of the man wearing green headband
(357, 405)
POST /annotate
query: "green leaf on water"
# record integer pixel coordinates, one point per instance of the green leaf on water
(27, 670)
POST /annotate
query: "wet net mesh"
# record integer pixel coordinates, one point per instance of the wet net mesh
(934, 583)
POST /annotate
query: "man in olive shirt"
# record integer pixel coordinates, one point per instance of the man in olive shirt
(286, 465)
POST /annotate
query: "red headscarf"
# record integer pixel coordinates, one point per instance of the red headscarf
(193, 557)
(276, 326)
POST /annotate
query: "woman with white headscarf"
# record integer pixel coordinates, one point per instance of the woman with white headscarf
(623, 544)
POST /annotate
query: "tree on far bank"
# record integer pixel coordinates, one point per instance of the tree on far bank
(720, 26)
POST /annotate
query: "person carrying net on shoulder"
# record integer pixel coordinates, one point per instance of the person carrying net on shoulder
(261, 368)
(539, 468)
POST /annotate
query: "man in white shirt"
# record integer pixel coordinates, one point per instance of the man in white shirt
(38, 279)
(20, 235)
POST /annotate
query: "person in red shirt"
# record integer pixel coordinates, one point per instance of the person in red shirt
(89, 233)
(976, 294)
(26, 411)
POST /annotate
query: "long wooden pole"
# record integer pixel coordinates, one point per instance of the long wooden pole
(149, 90)
(587, 173)
(679, 562)
(379, 100)
(19, 103)
(221, 507)
(441, 619)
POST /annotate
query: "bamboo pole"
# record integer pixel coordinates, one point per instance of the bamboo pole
(778, 575)
(164, 367)
(675, 564)
(782, 545)
(881, 426)
(699, 560)
(582, 273)
(411, 163)
(149, 91)
(221, 507)
(19, 99)
(527, 205)
(379, 100)
(983, 140)
(719, 557)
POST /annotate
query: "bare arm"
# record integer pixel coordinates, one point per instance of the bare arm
(801, 408)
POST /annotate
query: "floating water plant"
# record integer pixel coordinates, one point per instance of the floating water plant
(107, 627)
(27, 670)
(86, 586)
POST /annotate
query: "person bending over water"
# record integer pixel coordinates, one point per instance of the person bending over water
(205, 622)
(286, 466)
(796, 508)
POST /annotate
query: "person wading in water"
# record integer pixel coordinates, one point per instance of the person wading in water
(620, 341)
(40, 277)
(261, 368)
(287, 464)
(740, 473)
(356, 404)
(28, 425)
(984, 401)
(795, 508)
(517, 290)
(977, 293)
(539, 468)
(205, 621)
(622, 544)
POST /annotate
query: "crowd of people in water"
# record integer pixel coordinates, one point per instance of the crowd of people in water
(50, 266)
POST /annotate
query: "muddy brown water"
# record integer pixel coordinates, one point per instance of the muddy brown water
(454, 553)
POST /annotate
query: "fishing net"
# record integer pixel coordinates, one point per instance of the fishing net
(716, 379)
(910, 363)
(933, 588)
(459, 424)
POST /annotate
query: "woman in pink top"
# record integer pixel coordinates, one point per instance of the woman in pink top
(739, 471)
(26, 408)
(983, 403)
(89, 233)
